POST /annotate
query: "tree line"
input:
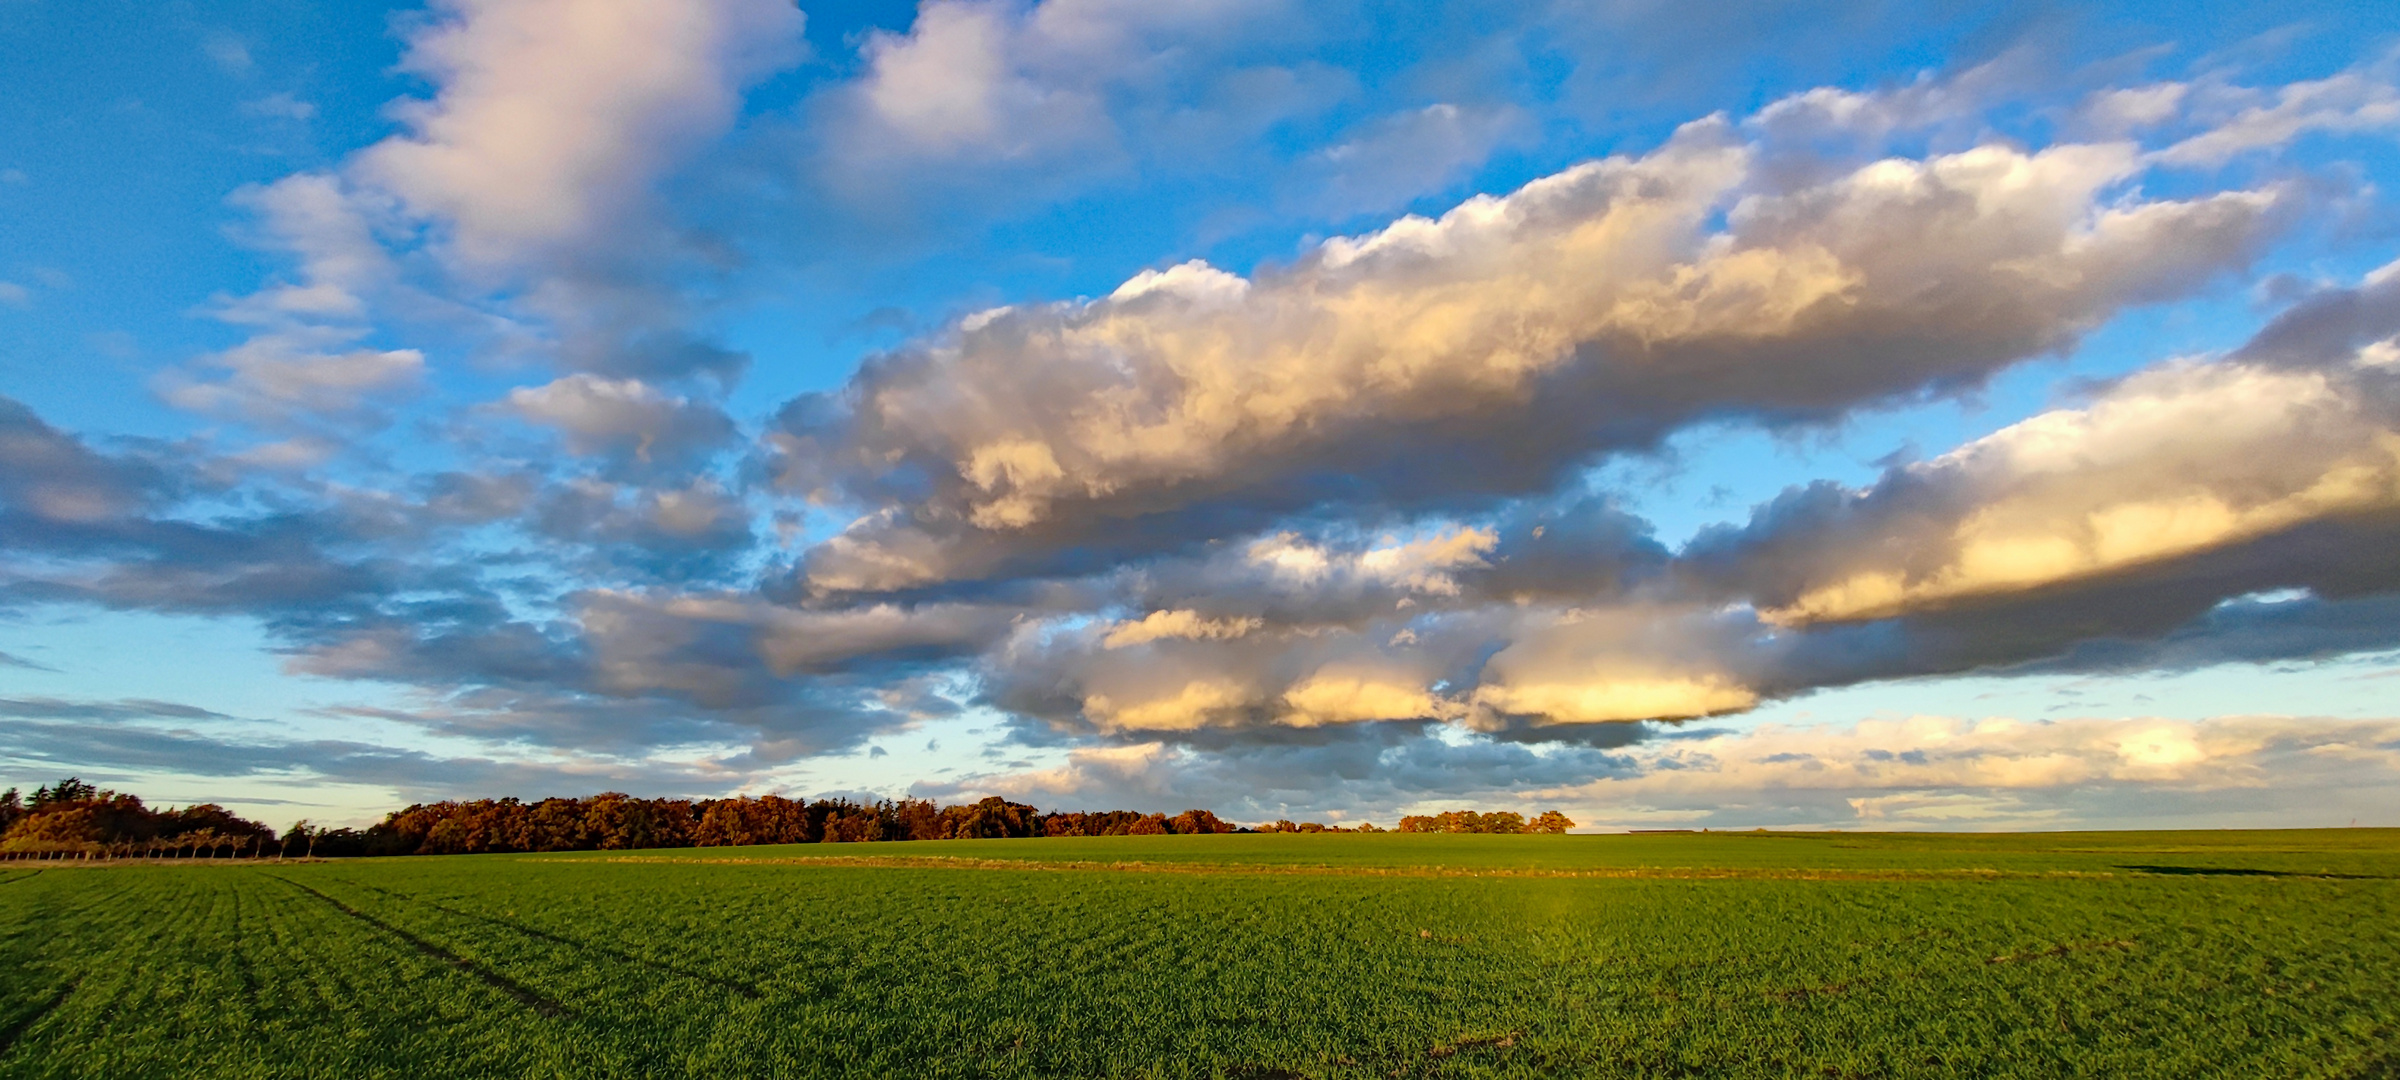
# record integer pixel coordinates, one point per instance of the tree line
(1468, 821)
(73, 819)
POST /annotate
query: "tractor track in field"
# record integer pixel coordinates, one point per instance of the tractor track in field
(524, 995)
(744, 989)
(16, 1031)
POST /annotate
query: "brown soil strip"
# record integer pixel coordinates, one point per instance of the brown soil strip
(525, 995)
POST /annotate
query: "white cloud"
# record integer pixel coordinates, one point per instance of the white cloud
(1410, 154)
(554, 117)
(228, 51)
(995, 79)
(275, 378)
(281, 106)
(2359, 100)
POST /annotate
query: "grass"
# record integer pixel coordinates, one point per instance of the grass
(2248, 954)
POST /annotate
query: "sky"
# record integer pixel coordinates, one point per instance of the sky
(1786, 415)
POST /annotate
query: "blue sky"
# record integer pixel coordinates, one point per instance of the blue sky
(1856, 416)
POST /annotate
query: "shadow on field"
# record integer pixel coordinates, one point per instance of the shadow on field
(15, 1031)
(2386, 1067)
(525, 995)
(2243, 871)
(742, 988)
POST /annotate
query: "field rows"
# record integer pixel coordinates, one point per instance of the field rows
(502, 965)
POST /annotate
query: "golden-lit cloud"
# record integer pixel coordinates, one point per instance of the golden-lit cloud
(2173, 461)
(1631, 294)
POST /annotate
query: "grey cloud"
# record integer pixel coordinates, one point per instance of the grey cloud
(142, 752)
(44, 708)
(55, 478)
(2258, 628)
(690, 533)
(12, 660)
(1361, 772)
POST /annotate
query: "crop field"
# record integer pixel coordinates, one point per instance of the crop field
(2235, 954)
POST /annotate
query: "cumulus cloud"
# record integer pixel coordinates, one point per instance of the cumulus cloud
(1487, 352)
(2149, 528)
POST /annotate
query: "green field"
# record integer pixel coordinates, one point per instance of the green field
(2236, 954)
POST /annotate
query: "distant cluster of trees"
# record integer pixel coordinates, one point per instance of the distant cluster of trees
(72, 819)
(613, 822)
(1468, 821)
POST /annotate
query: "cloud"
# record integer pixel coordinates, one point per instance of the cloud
(1360, 772)
(303, 365)
(1486, 353)
(982, 109)
(516, 209)
(2359, 100)
(228, 51)
(1918, 772)
(1941, 772)
(54, 477)
(553, 117)
(1409, 154)
(277, 377)
(1159, 625)
(2139, 531)
(280, 106)
(695, 531)
(1016, 80)
(625, 418)
(10, 660)
(127, 709)
(2171, 462)
(146, 752)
